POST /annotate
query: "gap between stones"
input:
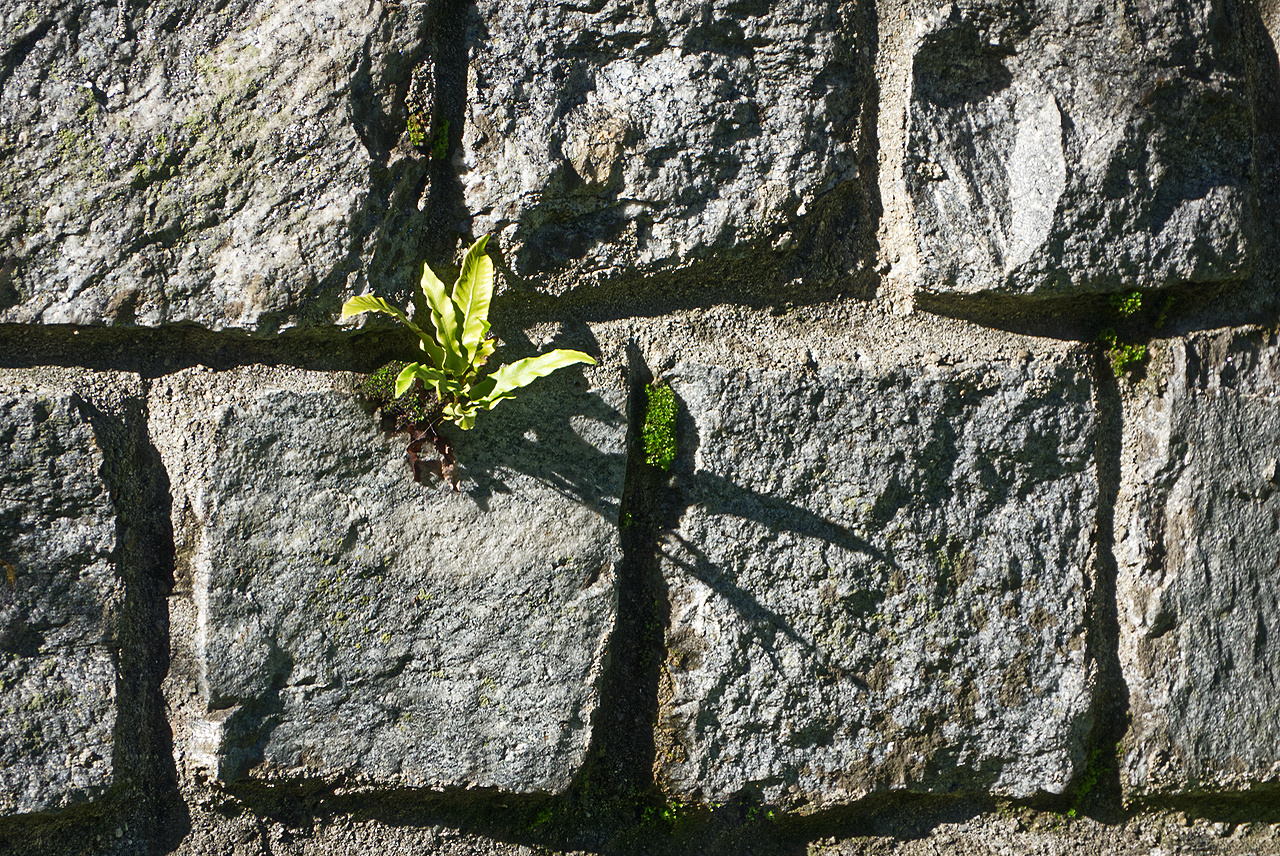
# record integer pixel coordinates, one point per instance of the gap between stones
(1096, 790)
(155, 352)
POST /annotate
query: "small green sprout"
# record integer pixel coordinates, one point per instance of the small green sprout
(659, 432)
(1127, 304)
(1123, 357)
(458, 343)
(417, 130)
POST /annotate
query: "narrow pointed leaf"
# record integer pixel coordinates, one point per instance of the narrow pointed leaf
(368, 303)
(523, 372)
(483, 351)
(444, 315)
(412, 372)
(434, 352)
(473, 294)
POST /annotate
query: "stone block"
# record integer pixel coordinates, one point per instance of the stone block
(1198, 555)
(880, 581)
(1080, 149)
(611, 138)
(352, 622)
(227, 164)
(60, 594)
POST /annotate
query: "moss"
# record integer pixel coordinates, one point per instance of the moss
(440, 141)
(1164, 312)
(418, 406)
(659, 430)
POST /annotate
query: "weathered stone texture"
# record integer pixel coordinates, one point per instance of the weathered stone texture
(1198, 549)
(1068, 148)
(880, 581)
(351, 621)
(608, 138)
(59, 594)
(228, 164)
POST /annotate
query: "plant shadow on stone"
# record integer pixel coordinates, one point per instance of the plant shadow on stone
(457, 344)
(533, 436)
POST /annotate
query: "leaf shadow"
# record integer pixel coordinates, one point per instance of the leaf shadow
(559, 432)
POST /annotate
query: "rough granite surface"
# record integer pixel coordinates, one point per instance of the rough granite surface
(880, 581)
(608, 138)
(351, 621)
(1198, 550)
(59, 595)
(237, 165)
(1071, 148)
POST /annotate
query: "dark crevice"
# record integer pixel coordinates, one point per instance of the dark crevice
(445, 211)
(392, 222)
(1097, 790)
(617, 776)
(1174, 311)
(139, 485)
(154, 352)
(754, 278)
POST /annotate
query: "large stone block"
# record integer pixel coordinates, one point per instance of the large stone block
(880, 581)
(229, 164)
(60, 592)
(1198, 553)
(608, 137)
(1072, 149)
(351, 621)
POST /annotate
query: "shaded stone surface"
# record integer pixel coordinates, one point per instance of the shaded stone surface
(351, 621)
(1072, 149)
(235, 164)
(610, 137)
(1198, 549)
(59, 595)
(880, 581)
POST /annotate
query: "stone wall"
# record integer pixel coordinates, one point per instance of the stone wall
(971, 314)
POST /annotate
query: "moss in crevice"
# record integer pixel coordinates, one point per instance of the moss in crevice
(1123, 357)
(659, 432)
(418, 405)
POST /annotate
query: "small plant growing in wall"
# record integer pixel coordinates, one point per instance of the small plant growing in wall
(448, 384)
(1124, 357)
(417, 129)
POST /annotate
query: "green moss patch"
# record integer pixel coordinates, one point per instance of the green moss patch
(418, 406)
(659, 430)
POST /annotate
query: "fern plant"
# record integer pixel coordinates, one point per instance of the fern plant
(458, 345)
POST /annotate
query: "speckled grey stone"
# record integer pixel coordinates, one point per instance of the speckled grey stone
(880, 581)
(1068, 149)
(59, 595)
(1198, 550)
(237, 165)
(609, 137)
(351, 621)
